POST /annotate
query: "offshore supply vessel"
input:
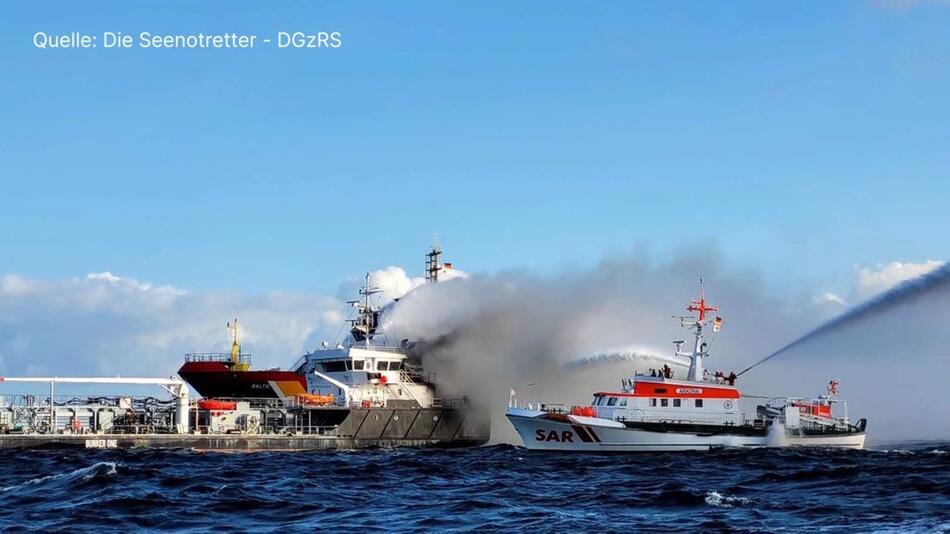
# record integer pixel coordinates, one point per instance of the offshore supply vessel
(359, 393)
(658, 412)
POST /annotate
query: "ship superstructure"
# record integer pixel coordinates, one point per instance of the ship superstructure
(662, 412)
(363, 371)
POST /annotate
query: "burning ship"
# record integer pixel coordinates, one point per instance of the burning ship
(359, 393)
(701, 412)
(361, 388)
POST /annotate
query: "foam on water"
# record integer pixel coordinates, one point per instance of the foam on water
(714, 498)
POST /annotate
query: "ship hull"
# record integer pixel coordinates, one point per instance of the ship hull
(539, 432)
(354, 428)
(216, 380)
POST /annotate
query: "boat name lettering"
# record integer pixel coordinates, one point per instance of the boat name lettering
(101, 444)
(565, 436)
(689, 391)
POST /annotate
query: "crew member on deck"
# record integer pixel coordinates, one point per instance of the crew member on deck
(732, 378)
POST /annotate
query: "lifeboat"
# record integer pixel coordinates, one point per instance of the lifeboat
(212, 404)
(584, 411)
(315, 400)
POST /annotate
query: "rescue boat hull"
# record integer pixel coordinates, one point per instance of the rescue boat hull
(565, 433)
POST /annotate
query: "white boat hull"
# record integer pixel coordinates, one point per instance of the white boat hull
(541, 433)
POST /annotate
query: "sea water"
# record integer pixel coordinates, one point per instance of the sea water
(493, 488)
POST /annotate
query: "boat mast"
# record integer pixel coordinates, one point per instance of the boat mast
(699, 346)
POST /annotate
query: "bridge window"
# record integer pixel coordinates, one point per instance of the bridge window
(349, 365)
(394, 366)
(611, 401)
(334, 367)
(623, 402)
(699, 403)
(358, 365)
(664, 402)
(677, 403)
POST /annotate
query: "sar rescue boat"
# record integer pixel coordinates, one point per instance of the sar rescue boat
(659, 412)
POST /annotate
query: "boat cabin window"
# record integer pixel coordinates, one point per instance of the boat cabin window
(660, 391)
(394, 366)
(677, 403)
(334, 367)
(358, 365)
(382, 366)
(664, 402)
(623, 402)
(652, 402)
(699, 403)
(611, 401)
(598, 400)
(349, 365)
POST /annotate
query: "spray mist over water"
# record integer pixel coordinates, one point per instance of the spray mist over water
(904, 293)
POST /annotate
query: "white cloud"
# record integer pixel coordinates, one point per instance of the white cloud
(14, 285)
(874, 280)
(105, 324)
(393, 281)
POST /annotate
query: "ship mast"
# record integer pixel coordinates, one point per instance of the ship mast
(364, 326)
(235, 346)
(699, 346)
(432, 261)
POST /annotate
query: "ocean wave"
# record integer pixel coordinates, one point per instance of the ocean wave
(97, 470)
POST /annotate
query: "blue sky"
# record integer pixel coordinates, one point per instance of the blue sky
(801, 139)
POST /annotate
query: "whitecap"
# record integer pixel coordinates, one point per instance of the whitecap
(714, 498)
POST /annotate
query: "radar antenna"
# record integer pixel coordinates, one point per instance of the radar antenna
(366, 323)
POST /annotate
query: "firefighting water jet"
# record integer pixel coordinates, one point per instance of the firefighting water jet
(904, 293)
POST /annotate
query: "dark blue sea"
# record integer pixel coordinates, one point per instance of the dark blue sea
(494, 488)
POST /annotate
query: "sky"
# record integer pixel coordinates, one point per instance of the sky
(811, 137)
(795, 154)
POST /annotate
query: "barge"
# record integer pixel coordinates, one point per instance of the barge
(357, 394)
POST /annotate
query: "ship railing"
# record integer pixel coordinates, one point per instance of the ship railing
(273, 430)
(222, 357)
(410, 385)
(661, 416)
